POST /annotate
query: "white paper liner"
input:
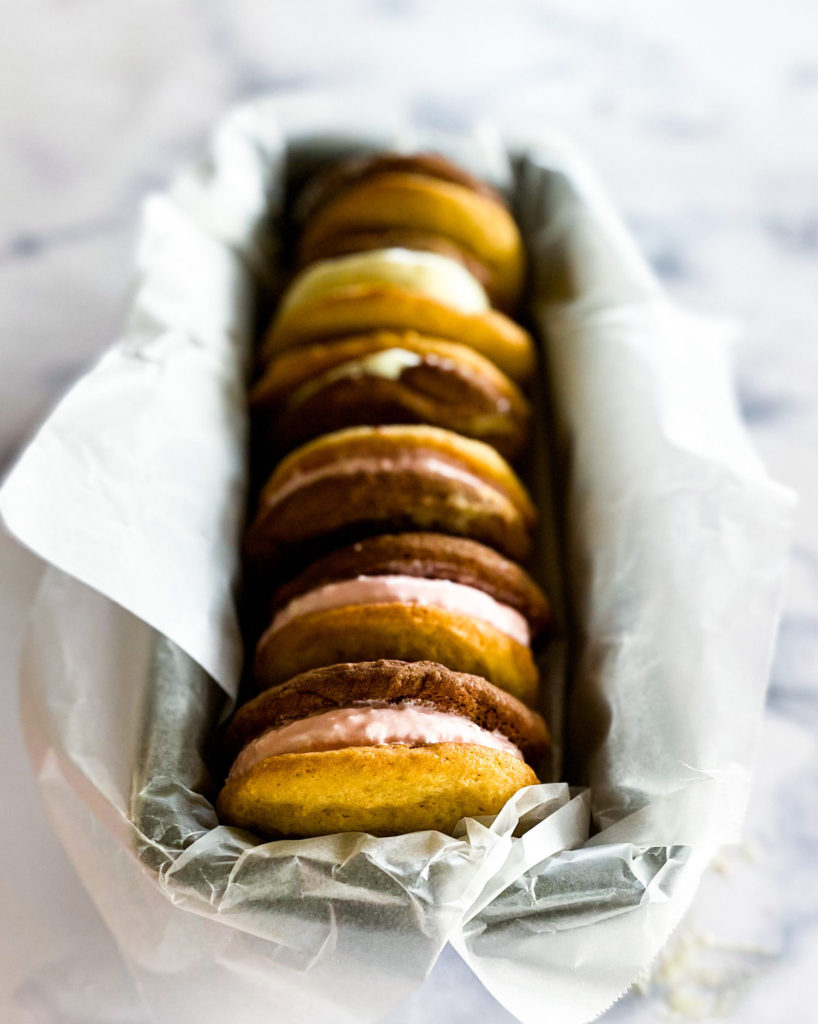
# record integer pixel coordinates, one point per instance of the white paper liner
(133, 492)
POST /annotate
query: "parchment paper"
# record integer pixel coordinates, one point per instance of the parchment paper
(672, 537)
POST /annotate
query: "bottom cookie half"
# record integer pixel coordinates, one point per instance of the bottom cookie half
(384, 790)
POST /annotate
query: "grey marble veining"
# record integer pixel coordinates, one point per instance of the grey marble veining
(702, 124)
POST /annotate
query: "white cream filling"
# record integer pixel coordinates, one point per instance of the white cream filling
(429, 273)
(388, 364)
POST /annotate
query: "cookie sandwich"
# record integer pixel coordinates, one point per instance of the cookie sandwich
(386, 377)
(397, 290)
(384, 747)
(368, 480)
(412, 597)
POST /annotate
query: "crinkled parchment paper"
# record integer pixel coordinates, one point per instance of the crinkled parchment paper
(672, 540)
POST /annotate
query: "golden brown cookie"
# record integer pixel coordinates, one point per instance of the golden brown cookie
(477, 223)
(404, 631)
(387, 790)
(333, 179)
(358, 309)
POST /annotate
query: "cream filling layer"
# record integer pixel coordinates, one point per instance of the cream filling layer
(387, 364)
(445, 594)
(412, 725)
(406, 462)
(429, 273)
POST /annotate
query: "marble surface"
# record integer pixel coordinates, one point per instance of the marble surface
(702, 122)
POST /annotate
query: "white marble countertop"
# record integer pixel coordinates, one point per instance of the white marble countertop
(702, 123)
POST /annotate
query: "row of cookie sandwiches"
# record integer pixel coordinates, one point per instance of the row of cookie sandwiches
(392, 316)
(396, 671)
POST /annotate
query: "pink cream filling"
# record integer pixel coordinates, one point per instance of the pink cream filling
(409, 461)
(369, 726)
(445, 594)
